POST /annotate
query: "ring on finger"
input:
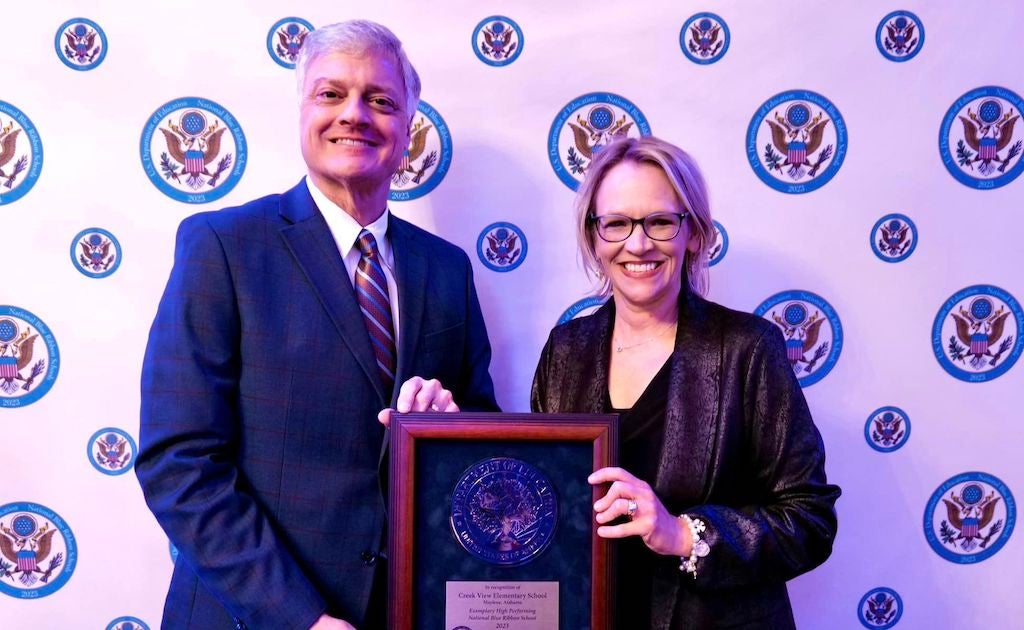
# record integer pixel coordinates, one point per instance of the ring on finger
(631, 508)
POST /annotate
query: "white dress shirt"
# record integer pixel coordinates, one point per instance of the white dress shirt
(345, 231)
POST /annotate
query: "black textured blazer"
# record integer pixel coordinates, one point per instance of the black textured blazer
(740, 452)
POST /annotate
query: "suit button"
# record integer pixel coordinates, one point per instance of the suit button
(368, 557)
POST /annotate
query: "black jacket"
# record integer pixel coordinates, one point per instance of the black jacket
(740, 452)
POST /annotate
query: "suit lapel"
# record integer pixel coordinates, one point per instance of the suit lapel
(411, 278)
(310, 242)
(691, 419)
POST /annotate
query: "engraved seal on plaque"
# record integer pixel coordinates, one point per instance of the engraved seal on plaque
(504, 511)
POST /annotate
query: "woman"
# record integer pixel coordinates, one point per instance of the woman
(722, 495)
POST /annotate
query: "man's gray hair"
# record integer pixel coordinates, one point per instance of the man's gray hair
(359, 37)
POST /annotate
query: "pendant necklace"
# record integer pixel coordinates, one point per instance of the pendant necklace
(620, 347)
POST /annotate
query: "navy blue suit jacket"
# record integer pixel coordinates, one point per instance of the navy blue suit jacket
(260, 450)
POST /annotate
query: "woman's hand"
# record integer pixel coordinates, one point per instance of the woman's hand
(418, 394)
(662, 532)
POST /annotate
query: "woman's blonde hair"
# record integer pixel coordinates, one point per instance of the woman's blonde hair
(686, 179)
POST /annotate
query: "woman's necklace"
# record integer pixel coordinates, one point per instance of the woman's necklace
(620, 347)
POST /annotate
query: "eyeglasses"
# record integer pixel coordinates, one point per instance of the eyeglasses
(660, 226)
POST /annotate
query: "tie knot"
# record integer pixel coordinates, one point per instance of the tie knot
(367, 244)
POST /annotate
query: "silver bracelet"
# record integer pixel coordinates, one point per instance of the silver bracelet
(699, 549)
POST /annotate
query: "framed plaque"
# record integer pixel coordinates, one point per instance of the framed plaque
(491, 522)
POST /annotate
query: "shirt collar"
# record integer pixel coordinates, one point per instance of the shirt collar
(345, 229)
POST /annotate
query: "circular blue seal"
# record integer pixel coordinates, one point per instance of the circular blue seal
(894, 238)
(880, 608)
(969, 517)
(43, 548)
(127, 623)
(504, 511)
(900, 36)
(812, 330)
(988, 145)
(587, 124)
(80, 44)
(21, 154)
(95, 252)
(497, 41)
(285, 38)
(704, 38)
(199, 154)
(501, 246)
(796, 141)
(576, 309)
(29, 357)
(887, 429)
(428, 158)
(976, 334)
(720, 247)
(112, 451)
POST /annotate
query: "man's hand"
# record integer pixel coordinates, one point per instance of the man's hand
(420, 395)
(330, 623)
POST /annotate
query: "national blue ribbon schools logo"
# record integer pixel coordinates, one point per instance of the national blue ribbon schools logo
(880, 608)
(581, 308)
(796, 141)
(812, 330)
(720, 247)
(887, 429)
(95, 252)
(501, 246)
(80, 44)
(29, 357)
(704, 38)
(497, 41)
(894, 238)
(112, 451)
(585, 126)
(38, 553)
(900, 36)
(428, 158)
(976, 334)
(285, 39)
(980, 140)
(969, 517)
(21, 154)
(199, 154)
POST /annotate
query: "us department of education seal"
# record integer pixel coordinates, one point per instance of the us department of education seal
(504, 511)
(880, 608)
(199, 154)
(887, 429)
(900, 36)
(112, 451)
(501, 246)
(894, 238)
(704, 38)
(497, 41)
(813, 332)
(80, 44)
(720, 247)
(127, 623)
(95, 252)
(285, 39)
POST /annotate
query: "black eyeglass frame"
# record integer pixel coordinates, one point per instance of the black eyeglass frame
(593, 219)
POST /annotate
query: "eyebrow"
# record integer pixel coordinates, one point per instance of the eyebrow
(373, 87)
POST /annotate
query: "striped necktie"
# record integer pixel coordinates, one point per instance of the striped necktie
(372, 296)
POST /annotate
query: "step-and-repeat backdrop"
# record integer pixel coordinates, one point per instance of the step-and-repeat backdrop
(865, 165)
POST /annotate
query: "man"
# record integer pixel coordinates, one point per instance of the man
(274, 349)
